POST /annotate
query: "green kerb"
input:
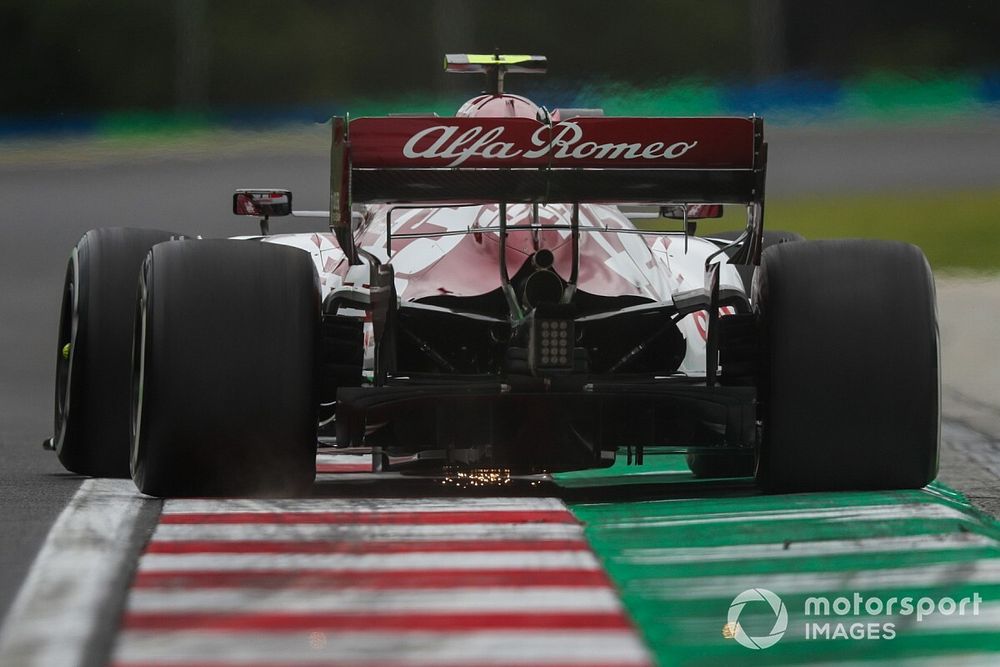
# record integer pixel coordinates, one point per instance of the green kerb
(679, 563)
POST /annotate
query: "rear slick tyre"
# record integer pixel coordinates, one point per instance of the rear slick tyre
(93, 354)
(850, 366)
(224, 370)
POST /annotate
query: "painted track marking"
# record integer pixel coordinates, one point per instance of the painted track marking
(72, 577)
(396, 581)
(498, 648)
(369, 573)
(504, 600)
(797, 549)
(386, 579)
(679, 564)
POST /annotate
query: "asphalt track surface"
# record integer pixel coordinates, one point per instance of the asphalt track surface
(50, 197)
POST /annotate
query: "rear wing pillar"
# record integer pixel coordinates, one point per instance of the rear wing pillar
(340, 190)
(755, 242)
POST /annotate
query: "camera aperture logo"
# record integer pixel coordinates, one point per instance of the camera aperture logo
(851, 617)
(762, 641)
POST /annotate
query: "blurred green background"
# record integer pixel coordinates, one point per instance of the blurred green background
(958, 230)
(139, 70)
(73, 56)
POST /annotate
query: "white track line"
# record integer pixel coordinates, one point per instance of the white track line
(949, 659)
(363, 505)
(311, 532)
(591, 647)
(888, 512)
(793, 549)
(981, 571)
(496, 600)
(72, 578)
(417, 562)
(987, 619)
(343, 458)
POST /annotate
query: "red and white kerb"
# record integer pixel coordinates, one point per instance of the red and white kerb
(373, 582)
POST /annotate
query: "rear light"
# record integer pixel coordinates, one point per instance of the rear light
(552, 342)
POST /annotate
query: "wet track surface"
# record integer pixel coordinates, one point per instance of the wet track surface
(48, 206)
(573, 571)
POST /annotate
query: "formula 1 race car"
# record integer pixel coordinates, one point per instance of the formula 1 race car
(486, 300)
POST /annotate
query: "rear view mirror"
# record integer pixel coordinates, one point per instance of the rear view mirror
(694, 211)
(262, 203)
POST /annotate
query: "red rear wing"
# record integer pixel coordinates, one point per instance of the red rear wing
(519, 160)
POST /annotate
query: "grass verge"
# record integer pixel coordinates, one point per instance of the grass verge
(958, 231)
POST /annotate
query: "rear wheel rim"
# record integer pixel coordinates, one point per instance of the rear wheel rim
(66, 350)
(138, 374)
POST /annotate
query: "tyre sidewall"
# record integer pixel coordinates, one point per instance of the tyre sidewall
(229, 388)
(850, 384)
(92, 407)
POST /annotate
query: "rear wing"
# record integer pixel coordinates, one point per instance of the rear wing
(519, 160)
